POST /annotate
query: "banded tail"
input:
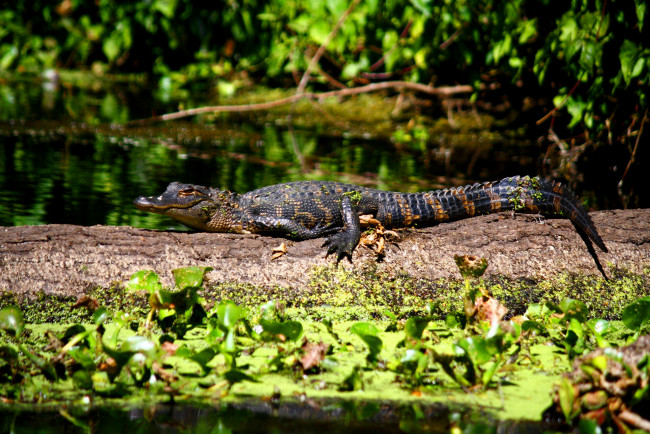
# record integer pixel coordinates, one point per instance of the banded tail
(522, 194)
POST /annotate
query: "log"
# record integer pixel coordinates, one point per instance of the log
(67, 260)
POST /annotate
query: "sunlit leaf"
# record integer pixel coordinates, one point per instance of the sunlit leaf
(415, 326)
(229, 344)
(475, 348)
(368, 334)
(636, 314)
(530, 325)
(640, 12)
(11, 320)
(364, 328)
(228, 314)
(100, 316)
(291, 330)
(139, 344)
(567, 395)
(190, 276)
(574, 309)
(144, 280)
(489, 373)
(165, 7)
(203, 357)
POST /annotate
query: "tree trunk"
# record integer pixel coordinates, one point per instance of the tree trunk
(67, 260)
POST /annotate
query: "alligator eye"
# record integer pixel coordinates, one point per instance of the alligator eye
(187, 192)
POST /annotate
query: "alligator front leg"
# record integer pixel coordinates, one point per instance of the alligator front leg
(288, 227)
(344, 242)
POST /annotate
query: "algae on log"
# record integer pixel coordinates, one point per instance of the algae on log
(67, 260)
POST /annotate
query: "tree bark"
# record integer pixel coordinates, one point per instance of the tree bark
(68, 260)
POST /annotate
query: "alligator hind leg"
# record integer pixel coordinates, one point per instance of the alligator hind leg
(343, 243)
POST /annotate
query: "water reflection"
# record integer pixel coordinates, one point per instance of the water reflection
(260, 416)
(65, 158)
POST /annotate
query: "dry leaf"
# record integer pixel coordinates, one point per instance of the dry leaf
(314, 353)
(278, 251)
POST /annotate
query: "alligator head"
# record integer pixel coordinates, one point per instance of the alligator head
(195, 206)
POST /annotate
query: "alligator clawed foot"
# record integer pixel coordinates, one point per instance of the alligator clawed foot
(341, 244)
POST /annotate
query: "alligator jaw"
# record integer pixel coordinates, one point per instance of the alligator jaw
(148, 204)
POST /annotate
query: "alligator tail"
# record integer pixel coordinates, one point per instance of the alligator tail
(521, 194)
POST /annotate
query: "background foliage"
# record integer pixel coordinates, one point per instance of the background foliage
(585, 61)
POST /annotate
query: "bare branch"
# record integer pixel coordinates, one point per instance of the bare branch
(386, 85)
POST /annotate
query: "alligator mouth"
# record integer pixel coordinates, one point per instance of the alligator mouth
(153, 204)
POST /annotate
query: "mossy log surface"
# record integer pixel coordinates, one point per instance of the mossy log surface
(66, 260)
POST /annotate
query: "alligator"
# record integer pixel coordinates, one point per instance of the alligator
(311, 209)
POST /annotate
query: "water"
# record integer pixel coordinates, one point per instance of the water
(64, 159)
(260, 416)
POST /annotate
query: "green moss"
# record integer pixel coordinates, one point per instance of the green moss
(366, 292)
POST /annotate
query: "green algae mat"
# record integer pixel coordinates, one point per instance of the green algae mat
(218, 366)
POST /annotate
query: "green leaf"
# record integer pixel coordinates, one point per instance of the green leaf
(165, 7)
(423, 6)
(318, 31)
(489, 373)
(476, 348)
(228, 314)
(528, 30)
(567, 395)
(629, 56)
(144, 280)
(100, 316)
(530, 325)
(291, 330)
(44, 365)
(352, 69)
(640, 13)
(636, 314)
(415, 326)
(203, 357)
(112, 46)
(574, 309)
(139, 344)
(455, 320)
(82, 379)
(229, 344)
(235, 376)
(8, 58)
(353, 381)
(368, 334)
(11, 320)
(190, 276)
(364, 328)
(391, 316)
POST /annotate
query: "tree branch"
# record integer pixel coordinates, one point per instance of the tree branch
(397, 85)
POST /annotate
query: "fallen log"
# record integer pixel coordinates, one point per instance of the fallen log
(68, 260)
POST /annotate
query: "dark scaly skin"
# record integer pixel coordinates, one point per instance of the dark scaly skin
(311, 209)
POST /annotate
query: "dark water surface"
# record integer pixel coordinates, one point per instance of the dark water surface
(263, 417)
(63, 159)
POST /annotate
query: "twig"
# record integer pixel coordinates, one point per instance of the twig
(418, 87)
(323, 47)
(635, 420)
(636, 146)
(560, 105)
